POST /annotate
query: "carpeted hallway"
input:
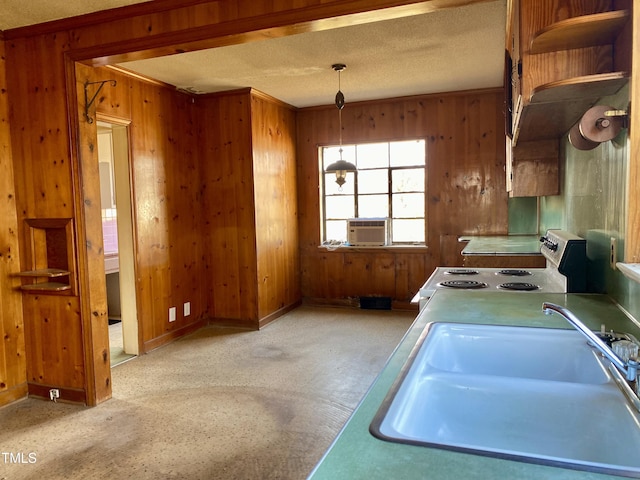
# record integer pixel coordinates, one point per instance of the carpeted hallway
(218, 404)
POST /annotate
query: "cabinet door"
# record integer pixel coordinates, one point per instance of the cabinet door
(532, 168)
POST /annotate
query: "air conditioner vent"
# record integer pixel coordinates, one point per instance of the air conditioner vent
(367, 231)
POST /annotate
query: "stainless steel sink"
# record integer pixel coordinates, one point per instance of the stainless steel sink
(527, 394)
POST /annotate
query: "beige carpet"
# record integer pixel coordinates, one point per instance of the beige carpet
(218, 404)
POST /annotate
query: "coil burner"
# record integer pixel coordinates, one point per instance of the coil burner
(461, 271)
(519, 286)
(463, 284)
(513, 272)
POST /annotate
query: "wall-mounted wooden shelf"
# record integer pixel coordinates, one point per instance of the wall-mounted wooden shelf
(46, 287)
(49, 273)
(555, 107)
(49, 257)
(579, 32)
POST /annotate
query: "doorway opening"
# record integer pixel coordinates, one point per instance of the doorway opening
(117, 231)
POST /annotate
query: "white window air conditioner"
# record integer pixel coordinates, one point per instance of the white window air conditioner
(367, 232)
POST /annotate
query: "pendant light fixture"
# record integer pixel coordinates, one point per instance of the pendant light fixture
(340, 167)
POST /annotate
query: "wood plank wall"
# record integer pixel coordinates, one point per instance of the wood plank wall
(275, 197)
(44, 186)
(465, 189)
(225, 123)
(247, 143)
(65, 338)
(166, 190)
(13, 375)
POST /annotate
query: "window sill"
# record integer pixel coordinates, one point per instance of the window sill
(385, 248)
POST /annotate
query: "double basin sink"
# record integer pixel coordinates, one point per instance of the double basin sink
(529, 394)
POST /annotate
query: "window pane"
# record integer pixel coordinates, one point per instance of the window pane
(407, 153)
(373, 155)
(336, 230)
(409, 180)
(373, 181)
(373, 205)
(332, 154)
(332, 188)
(408, 205)
(341, 206)
(408, 231)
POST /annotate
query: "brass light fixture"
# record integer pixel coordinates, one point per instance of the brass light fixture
(340, 167)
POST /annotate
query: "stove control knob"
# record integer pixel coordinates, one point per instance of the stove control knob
(549, 244)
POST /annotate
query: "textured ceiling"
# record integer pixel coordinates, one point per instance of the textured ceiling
(448, 50)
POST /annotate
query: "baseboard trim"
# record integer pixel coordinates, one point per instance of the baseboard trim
(67, 394)
(264, 321)
(13, 394)
(172, 335)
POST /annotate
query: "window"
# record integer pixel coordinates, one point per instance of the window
(389, 182)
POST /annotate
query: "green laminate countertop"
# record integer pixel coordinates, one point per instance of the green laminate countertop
(502, 245)
(356, 454)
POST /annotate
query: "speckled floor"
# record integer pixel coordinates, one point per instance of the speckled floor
(218, 404)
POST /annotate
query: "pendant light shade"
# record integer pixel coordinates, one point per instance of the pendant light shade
(340, 167)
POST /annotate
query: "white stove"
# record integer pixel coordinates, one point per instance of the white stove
(565, 272)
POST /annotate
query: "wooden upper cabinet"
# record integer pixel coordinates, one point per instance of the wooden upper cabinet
(564, 57)
(569, 57)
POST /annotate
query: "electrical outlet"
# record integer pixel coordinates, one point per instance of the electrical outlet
(172, 314)
(613, 253)
(54, 394)
(186, 309)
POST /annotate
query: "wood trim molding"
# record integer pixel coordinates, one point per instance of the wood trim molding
(409, 98)
(95, 18)
(172, 335)
(231, 31)
(277, 314)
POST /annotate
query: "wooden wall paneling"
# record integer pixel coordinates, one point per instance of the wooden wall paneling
(94, 317)
(39, 122)
(465, 181)
(55, 354)
(40, 134)
(229, 198)
(411, 272)
(632, 238)
(450, 251)
(44, 189)
(274, 161)
(185, 208)
(466, 166)
(166, 184)
(13, 375)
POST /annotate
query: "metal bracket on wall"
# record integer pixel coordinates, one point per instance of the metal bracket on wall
(87, 102)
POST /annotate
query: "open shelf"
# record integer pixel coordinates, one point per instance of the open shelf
(555, 107)
(45, 272)
(580, 32)
(588, 86)
(45, 286)
(49, 256)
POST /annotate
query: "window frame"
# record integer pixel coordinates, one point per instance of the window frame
(389, 194)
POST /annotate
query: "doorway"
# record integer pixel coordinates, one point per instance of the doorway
(117, 230)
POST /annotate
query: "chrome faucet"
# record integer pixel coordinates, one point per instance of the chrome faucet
(629, 369)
